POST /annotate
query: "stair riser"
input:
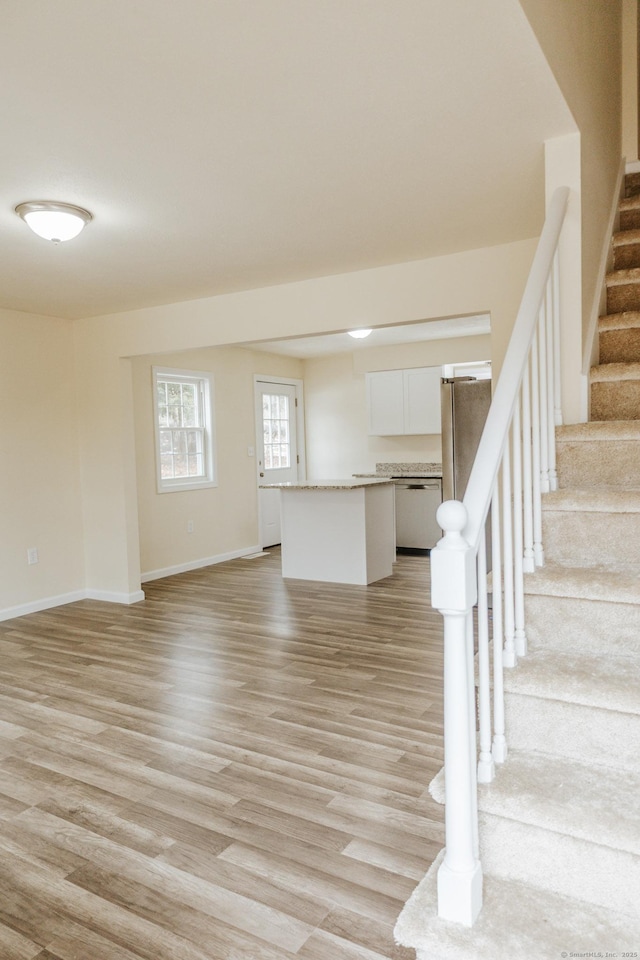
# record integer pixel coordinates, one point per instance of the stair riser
(622, 297)
(573, 731)
(620, 346)
(615, 400)
(567, 624)
(631, 184)
(575, 538)
(626, 256)
(630, 219)
(570, 867)
(612, 463)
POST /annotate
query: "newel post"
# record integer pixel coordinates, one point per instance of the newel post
(454, 593)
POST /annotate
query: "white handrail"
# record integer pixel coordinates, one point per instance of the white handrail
(518, 448)
(485, 468)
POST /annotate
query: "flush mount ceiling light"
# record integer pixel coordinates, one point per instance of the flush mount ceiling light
(54, 221)
(358, 334)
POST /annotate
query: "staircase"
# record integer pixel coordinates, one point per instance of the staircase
(560, 824)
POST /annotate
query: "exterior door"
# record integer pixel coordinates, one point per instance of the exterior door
(276, 451)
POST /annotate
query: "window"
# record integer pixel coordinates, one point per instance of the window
(275, 425)
(183, 413)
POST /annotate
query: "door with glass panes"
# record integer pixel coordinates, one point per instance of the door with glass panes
(276, 451)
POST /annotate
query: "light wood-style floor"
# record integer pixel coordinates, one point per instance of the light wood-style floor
(233, 769)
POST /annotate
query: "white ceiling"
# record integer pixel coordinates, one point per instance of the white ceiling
(223, 145)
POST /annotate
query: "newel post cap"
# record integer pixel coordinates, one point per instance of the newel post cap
(454, 586)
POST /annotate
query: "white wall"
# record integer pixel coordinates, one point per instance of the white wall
(224, 517)
(489, 280)
(338, 443)
(582, 41)
(40, 477)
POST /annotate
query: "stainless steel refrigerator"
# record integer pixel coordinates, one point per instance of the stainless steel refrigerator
(465, 404)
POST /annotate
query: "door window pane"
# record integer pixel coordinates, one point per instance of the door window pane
(275, 421)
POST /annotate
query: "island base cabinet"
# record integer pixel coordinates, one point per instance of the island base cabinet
(338, 536)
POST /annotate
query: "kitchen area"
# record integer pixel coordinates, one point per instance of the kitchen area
(404, 407)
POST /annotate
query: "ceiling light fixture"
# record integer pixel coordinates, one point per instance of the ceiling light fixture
(359, 334)
(54, 221)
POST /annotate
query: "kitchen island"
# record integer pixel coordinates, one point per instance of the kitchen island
(337, 531)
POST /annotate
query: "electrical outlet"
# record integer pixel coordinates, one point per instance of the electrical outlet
(32, 555)
(189, 526)
(251, 451)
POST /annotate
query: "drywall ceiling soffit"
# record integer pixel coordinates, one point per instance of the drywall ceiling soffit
(323, 345)
(224, 146)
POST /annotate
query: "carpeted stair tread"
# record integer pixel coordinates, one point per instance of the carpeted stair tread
(617, 278)
(518, 920)
(623, 287)
(630, 213)
(597, 500)
(628, 320)
(626, 248)
(606, 683)
(587, 802)
(608, 372)
(624, 237)
(584, 583)
(599, 430)
(630, 203)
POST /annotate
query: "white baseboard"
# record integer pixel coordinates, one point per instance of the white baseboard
(108, 596)
(196, 564)
(45, 604)
(632, 166)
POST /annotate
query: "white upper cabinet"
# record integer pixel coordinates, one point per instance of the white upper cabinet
(404, 401)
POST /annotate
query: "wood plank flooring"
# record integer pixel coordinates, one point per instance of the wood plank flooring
(234, 769)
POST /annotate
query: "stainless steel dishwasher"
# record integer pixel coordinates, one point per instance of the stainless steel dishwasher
(417, 499)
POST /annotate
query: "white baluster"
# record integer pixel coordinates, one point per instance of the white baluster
(473, 736)
(542, 378)
(520, 638)
(555, 280)
(509, 653)
(486, 768)
(538, 551)
(551, 427)
(528, 562)
(454, 593)
(499, 748)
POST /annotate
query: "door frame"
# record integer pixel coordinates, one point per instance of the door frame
(300, 432)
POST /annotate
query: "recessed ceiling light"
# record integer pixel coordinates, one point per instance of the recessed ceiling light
(54, 221)
(359, 334)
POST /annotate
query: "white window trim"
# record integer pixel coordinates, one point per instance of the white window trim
(206, 384)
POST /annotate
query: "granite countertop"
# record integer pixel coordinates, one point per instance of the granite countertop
(433, 470)
(353, 484)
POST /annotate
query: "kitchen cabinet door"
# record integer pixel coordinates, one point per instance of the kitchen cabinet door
(404, 401)
(422, 400)
(385, 403)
